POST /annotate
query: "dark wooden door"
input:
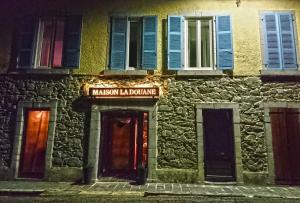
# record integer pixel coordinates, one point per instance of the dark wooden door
(286, 145)
(122, 144)
(32, 163)
(218, 145)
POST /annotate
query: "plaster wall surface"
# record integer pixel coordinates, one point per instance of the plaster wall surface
(95, 33)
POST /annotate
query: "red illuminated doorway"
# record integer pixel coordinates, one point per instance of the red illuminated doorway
(32, 163)
(124, 144)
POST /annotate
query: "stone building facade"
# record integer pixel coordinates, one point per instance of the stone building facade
(179, 121)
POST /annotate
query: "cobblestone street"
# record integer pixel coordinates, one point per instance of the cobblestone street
(150, 192)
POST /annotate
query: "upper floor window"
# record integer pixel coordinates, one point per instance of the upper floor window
(199, 43)
(133, 43)
(203, 43)
(279, 41)
(49, 42)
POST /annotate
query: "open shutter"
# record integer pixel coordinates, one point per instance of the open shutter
(287, 40)
(224, 43)
(118, 43)
(175, 42)
(72, 41)
(149, 47)
(25, 57)
(271, 41)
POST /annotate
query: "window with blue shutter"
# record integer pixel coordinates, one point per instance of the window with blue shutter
(133, 43)
(49, 42)
(118, 43)
(28, 30)
(149, 43)
(191, 43)
(72, 41)
(224, 43)
(175, 42)
(287, 41)
(279, 41)
(272, 42)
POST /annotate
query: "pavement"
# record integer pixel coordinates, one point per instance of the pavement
(35, 191)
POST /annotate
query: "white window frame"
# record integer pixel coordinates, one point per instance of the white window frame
(212, 25)
(139, 42)
(38, 42)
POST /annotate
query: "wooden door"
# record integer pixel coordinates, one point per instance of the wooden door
(32, 163)
(218, 145)
(286, 145)
(123, 144)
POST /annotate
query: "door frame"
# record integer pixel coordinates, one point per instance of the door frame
(268, 133)
(95, 132)
(20, 131)
(236, 137)
(105, 140)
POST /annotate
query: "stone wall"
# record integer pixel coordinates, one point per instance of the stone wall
(71, 120)
(176, 130)
(176, 116)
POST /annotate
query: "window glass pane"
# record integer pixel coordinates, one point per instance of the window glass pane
(58, 44)
(205, 43)
(192, 43)
(133, 44)
(46, 42)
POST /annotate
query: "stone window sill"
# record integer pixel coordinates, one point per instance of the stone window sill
(125, 73)
(43, 71)
(199, 73)
(280, 73)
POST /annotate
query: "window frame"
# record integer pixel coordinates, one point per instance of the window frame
(120, 66)
(212, 31)
(265, 69)
(71, 52)
(38, 42)
(139, 20)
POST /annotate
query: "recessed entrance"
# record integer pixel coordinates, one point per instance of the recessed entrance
(219, 160)
(124, 144)
(286, 145)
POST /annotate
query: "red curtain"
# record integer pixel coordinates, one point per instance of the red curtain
(35, 144)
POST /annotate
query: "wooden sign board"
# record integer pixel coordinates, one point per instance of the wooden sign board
(117, 93)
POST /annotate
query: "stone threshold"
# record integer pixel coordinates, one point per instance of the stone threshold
(125, 72)
(42, 71)
(199, 73)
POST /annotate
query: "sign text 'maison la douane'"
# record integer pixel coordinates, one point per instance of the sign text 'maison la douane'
(124, 92)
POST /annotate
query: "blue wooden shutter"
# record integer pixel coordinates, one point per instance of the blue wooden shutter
(287, 40)
(118, 43)
(271, 41)
(149, 43)
(27, 43)
(175, 42)
(224, 43)
(72, 41)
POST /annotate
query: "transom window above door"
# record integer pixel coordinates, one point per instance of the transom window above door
(202, 43)
(133, 43)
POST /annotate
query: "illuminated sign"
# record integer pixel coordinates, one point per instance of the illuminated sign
(135, 92)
